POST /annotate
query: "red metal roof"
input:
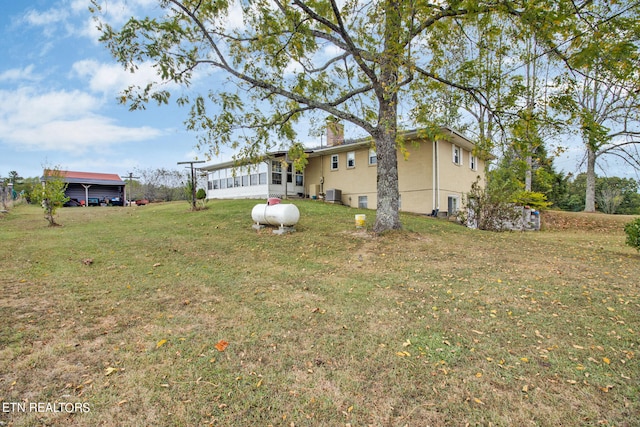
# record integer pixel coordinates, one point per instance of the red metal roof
(88, 176)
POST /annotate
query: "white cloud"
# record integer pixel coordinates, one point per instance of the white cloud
(61, 121)
(19, 74)
(46, 18)
(112, 78)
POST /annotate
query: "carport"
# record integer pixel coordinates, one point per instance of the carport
(92, 189)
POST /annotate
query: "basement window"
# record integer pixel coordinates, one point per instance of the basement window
(362, 202)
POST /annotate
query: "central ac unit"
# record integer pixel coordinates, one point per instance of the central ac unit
(334, 195)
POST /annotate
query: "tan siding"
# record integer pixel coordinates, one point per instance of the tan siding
(415, 176)
(353, 182)
(455, 180)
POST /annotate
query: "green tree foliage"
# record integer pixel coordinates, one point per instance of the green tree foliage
(51, 194)
(632, 230)
(599, 93)
(614, 195)
(355, 61)
(547, 185)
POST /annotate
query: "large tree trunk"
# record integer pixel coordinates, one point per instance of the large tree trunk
(387, 215)
(590, 194)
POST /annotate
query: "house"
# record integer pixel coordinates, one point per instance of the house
(92, 189)
(433, 175)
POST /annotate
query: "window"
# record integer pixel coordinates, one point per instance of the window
(236, 181)
(334, 162)
(457, 155)
(254, 179)
(229, 182)
(245, 180)
(299, 179)
(276, 172)
(473, 162)
(362, 202)
(262, 178)
(351, 159)
(373, 157)
(453, 203)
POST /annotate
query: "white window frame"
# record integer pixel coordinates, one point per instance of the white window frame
(373, 157)
(473, 162)
(363, 202)
(335, 159)
(456, 155)
(351, 159)
(456, 203)
(276, 172)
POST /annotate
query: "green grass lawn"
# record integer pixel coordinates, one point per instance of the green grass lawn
(125, 311)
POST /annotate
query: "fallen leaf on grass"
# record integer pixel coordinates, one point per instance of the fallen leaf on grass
(157, 264)
(475, 399)
(109, 371)
(161, 343)
(606, 360)
(221, 345)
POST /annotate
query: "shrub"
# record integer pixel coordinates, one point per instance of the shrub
(490, 209)
(632, 230)
(533, 199)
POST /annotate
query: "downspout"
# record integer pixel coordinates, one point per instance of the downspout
(436, 176)
(321, 175)
(433, 176)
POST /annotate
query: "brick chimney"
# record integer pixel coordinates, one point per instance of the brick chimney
(335, 132)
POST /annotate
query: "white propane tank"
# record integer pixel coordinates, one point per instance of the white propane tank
(282, 215)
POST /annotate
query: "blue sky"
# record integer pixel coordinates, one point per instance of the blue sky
(58, 90)
(58, 98)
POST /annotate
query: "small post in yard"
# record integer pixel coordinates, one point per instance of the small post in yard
(193, 181)
(130, 178)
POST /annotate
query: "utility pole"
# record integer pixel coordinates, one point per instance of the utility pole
(130, 178)
(193, 181)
